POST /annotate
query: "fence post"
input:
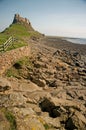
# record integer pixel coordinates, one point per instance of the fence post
(13, 41)
(3, 47)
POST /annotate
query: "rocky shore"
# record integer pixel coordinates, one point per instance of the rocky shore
(49, 93)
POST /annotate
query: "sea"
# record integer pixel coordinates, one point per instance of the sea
(76, 40)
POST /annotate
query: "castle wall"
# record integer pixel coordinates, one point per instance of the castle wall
(21, 19)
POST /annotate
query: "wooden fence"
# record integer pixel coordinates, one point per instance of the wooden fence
(8, 43)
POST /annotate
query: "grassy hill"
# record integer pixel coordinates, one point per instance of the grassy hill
(21, 32)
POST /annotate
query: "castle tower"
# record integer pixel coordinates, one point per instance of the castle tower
(19, 19)
(23, 21)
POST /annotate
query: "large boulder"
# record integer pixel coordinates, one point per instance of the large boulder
(39, 82)
(30, 123)
(77, 121)
(4, 85)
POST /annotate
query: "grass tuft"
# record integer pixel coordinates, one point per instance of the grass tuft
(10, 118)
(19, 68)
(46, 126)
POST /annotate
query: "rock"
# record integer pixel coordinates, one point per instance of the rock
(53, 83)
(23, 111)
(28, 87)
(77, 121)
(81, 98)
(39, 64)
(80, 120)
(29, 100)
(35, 124)
(17, 100)
(50, 72)
(27, 119)
(4, 123)
(82, 71)
(30, 123)
(39, 82)
(70, 125)
(52, 122)
(48, 106)
(4, 100)
(43, 59)
(76, 54)
(4, 85)
(72, 94)
(36, 96)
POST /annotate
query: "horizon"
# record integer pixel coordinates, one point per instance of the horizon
(61, 18)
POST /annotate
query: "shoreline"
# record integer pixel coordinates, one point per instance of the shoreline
(60, 43)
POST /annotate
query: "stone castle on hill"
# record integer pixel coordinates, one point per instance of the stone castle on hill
(19, 19)
(23, 21)
(27, 24)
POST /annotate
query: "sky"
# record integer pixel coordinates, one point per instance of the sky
(50, 17)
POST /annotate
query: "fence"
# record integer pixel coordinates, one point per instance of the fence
(8, 43)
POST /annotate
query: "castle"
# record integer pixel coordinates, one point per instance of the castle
(19, 19)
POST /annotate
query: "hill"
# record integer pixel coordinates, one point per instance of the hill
(21, 29)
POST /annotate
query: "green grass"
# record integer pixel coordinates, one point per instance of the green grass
(10, 118)
(3, 38)
(16, 30)
(20, 32)
(17, 44)
(12, 72)
(24, 61)
(46, 126)
(17, 70)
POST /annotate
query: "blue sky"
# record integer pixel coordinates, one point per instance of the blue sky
(51, 17)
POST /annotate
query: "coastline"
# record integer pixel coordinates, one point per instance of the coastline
(61, 43)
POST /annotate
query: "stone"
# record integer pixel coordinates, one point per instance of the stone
(39, 64)
(53, 83)
(18, 18)
(4, 85)
(48, 106)
(17, 100)
(30, 123)
(54, 122)
(4, 123)
(70, 124)
(39, 82)
(77, 121)
(28, 87)
(24, 111)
